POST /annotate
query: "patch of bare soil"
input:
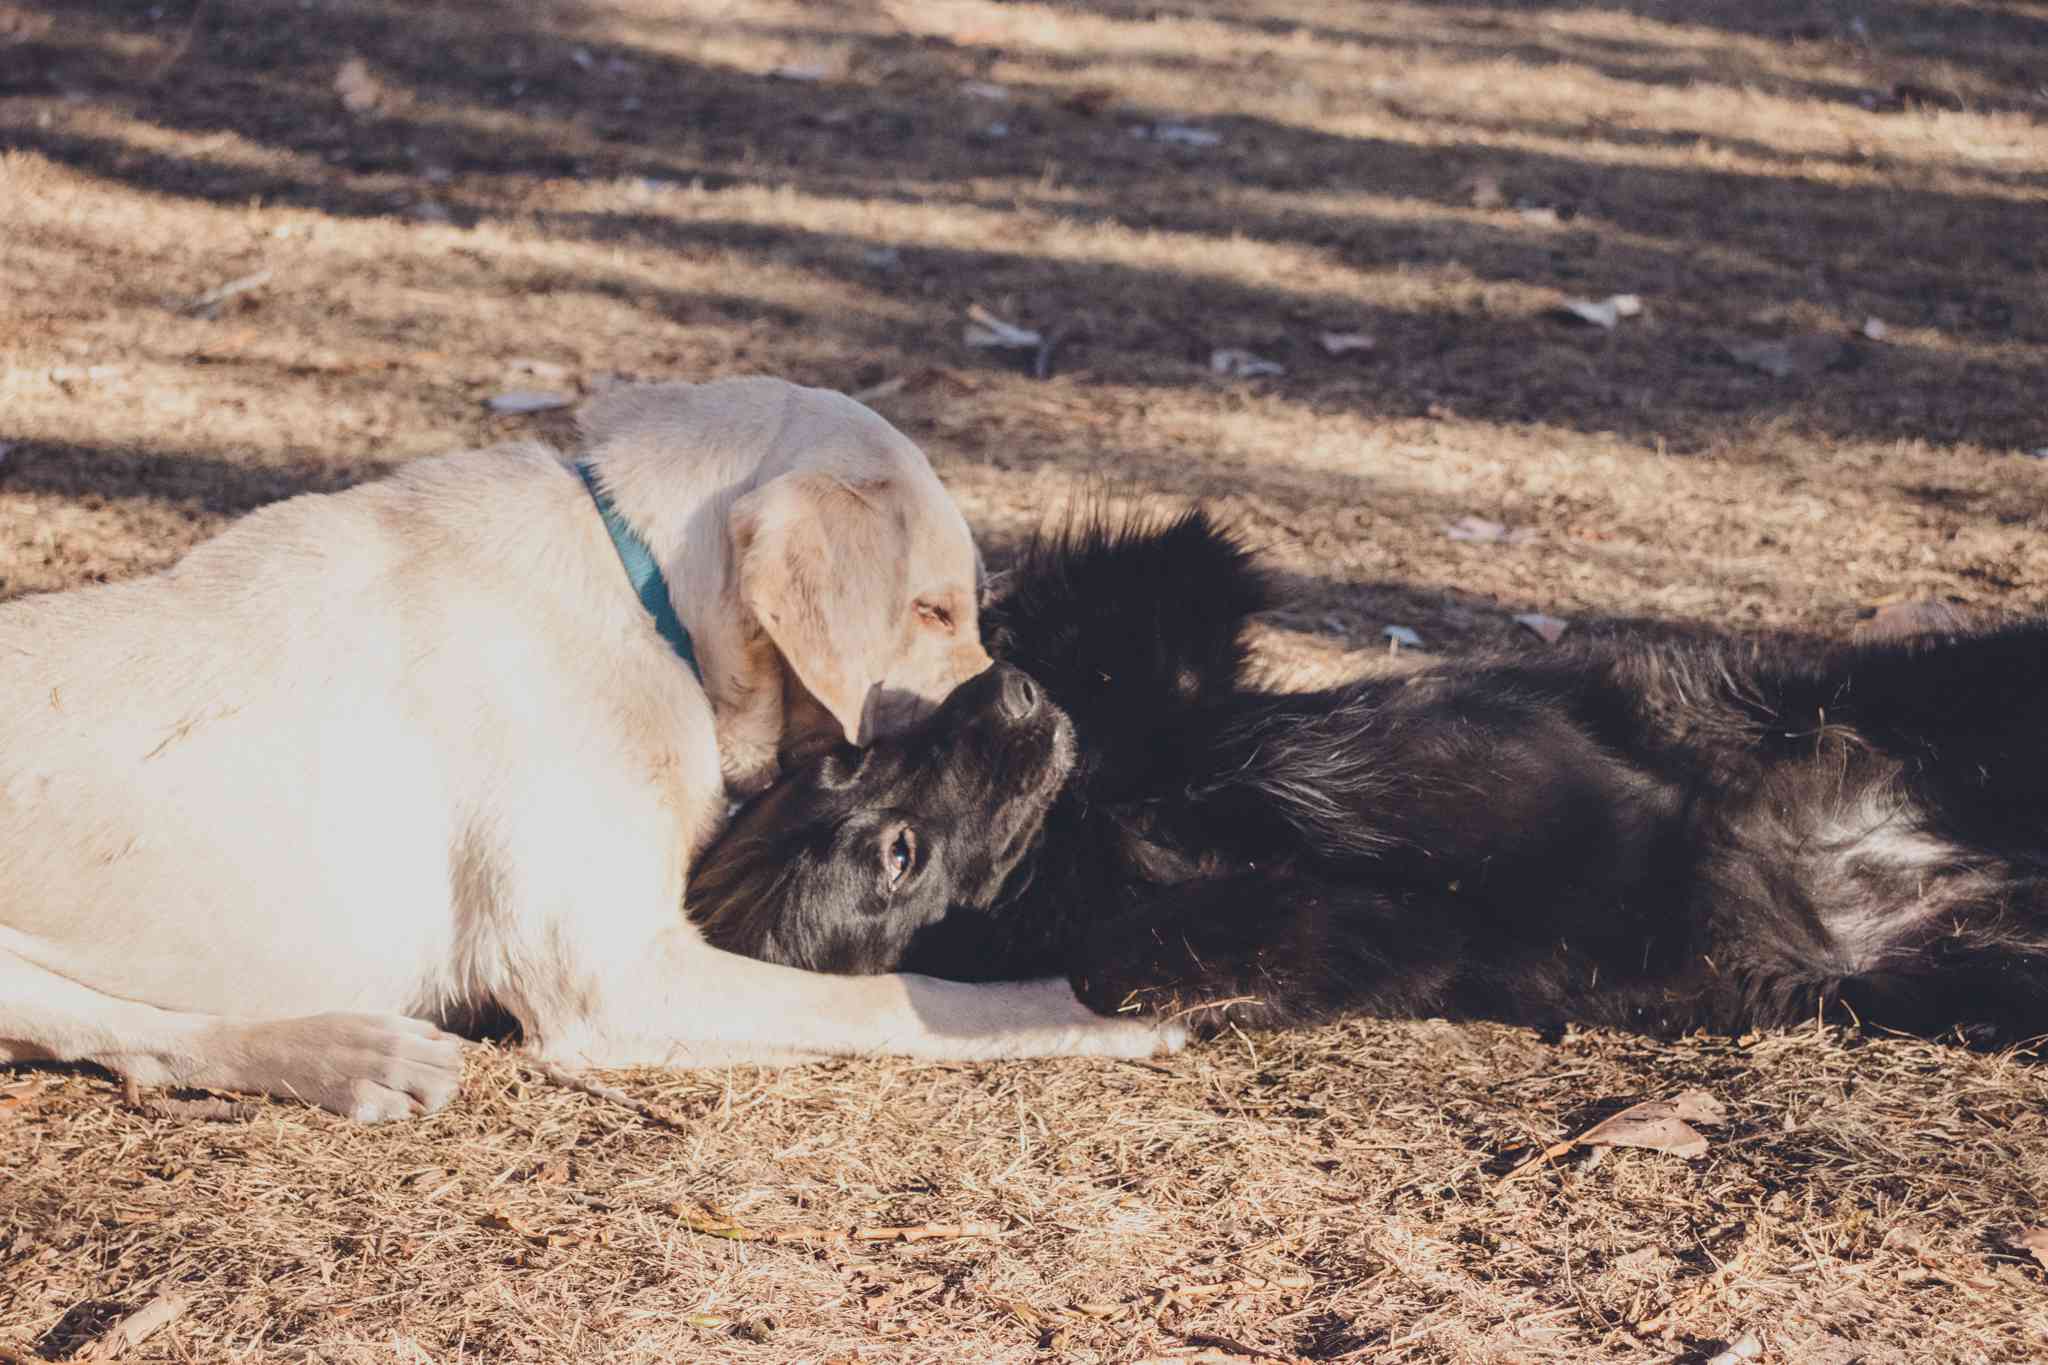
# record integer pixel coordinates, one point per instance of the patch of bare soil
(276, 246)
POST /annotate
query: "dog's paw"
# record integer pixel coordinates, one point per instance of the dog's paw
(367, 1067)
(1143, 1036)
(1129, 1035)
(393, 1067)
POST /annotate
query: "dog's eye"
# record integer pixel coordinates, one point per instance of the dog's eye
(932, 614)
(899, 854)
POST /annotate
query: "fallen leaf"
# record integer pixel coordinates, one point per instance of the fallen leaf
(547, 371)
(1179, 134)
(92, 374)
(1744, 1347)
(882, 389)
(221, 293)
(1343, 343)
(1660, 1125)
(358, 89)
(527, 400)
(2035, 1242)
(651, 187)
(1774, 358)
(1239, 364)
(1479, 531)
(985, 329)
(138, 1326)
(1549, 629)
(1600, 314)
(1947, 1270)
(24, 1098)
(1605, 313)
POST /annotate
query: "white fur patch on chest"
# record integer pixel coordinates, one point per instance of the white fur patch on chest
(1877, 875)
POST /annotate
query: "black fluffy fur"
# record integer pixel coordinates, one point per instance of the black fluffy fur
(1617, 832)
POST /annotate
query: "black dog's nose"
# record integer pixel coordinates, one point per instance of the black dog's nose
(1019, 695)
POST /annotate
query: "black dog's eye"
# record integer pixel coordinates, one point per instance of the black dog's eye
(899, 854)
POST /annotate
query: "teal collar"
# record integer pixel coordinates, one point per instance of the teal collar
(643, 573)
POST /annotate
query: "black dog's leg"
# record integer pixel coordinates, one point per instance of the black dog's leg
(1266, 951)
(1988, 991)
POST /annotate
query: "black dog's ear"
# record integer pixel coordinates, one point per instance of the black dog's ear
(1148, 606)
(1130, 625)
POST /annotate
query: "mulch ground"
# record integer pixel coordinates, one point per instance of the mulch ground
(280, 246)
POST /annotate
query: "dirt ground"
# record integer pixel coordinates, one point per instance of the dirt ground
(257, 248)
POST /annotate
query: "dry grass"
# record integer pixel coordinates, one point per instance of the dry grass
(1363, 1162)
(622, 186)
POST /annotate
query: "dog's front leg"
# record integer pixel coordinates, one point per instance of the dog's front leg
(685, 1003)
(366, 1066)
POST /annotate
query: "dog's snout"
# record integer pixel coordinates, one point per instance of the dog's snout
(1019, 697)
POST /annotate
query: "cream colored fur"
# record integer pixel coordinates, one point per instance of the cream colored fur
(378, 757)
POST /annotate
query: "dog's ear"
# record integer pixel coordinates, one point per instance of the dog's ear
(819, 568)
(1133, 627)
(1150, 609)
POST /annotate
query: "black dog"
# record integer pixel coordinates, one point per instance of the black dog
(1629, 833)
(835, 868)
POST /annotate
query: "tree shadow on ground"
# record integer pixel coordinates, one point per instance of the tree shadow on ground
(1385, 231)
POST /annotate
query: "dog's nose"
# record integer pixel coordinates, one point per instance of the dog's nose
(1019, 697)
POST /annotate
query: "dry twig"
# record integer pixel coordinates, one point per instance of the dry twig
(926, 1232)
(711, 1224)
(214, 1110)
(654, 1113)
